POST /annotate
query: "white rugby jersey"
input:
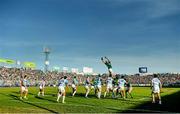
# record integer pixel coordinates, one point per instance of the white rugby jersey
(42, 84)
(121, 82)
(155, 82)
(63, 82)
(109, 81)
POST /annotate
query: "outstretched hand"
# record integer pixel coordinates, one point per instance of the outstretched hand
(102, 58)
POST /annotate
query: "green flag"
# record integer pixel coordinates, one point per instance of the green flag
(29, 64)
(7, 61)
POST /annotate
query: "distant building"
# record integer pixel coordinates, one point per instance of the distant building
(87, 70)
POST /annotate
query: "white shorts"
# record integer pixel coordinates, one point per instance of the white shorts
(87, 87)
(115, 89)
(156, 90)
(110, 70)
(109, 87)
(61, 89)
(92, 87)
(24, 89)
(121, 88)
(40, 87)
(99, 87)
(73, 86)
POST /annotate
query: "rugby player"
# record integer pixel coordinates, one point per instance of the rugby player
(23, 87)
(74, 85)
(107, 62)
(128, 88)
(98, 86)
(61, 89)
(93, 84)
(87, 84)
(41, 87)
(115, 86)
(156, 87)
(121, 84)
(109, 85)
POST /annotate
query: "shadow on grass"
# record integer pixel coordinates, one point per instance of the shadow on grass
(82, 95)
(33, 104)
(42, 98)
(170, 103)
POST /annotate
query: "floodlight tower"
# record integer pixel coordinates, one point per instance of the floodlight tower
(46, 63)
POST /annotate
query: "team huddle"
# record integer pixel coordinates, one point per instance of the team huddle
(115, 86)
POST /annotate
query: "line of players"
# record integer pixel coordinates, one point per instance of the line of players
(96, 85)
(117, 86)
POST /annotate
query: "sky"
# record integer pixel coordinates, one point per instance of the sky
(131, 33)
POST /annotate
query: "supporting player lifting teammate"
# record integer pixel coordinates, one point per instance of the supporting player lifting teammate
(121, 84)
(129, 88)
(109, 86)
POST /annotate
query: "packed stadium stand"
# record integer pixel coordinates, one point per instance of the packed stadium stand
(11, 77)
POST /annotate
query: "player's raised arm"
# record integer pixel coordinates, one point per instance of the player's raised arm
(102, 60)
(107, 59)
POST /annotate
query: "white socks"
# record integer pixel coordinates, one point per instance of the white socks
(63, 99)
(160, 102)
(74, 93)
(99, 95)
(59, 95)
(87, 93)
(105, 94)
(41, 93)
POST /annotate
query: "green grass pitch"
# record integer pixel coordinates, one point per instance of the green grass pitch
(10, 103)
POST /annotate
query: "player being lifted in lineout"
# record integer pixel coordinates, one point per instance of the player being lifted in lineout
(107, 62)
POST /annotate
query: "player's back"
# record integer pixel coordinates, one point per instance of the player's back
(155, 82)
(21, 82)
(25, 82)
(109, 81)
(75, 81)
(121, 82)
(108, 64)
(61, 82)
(98, 81)
(87, 82)
(42, 84)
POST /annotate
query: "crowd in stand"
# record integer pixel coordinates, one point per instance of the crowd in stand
(12, 76)
(165, 78)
